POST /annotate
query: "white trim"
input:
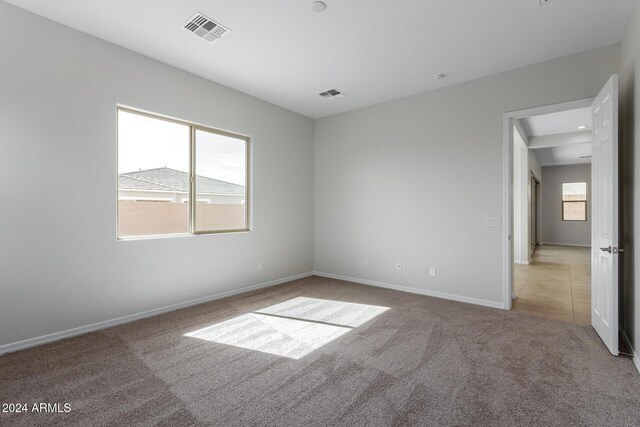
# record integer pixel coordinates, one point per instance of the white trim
(507, 184)
(507, 211)
(566, 244)
(56, 336)
(451, 297)
(635, 356)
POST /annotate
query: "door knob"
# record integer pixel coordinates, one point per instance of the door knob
(606, 249)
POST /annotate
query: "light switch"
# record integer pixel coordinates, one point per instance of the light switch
(493, 222)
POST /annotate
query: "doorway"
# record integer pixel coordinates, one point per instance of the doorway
(534, 238)
(551, 227)
(527, 252)
(603, 247)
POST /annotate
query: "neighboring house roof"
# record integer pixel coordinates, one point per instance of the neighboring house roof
(167, 179)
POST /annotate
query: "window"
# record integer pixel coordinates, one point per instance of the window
(574, 201)
(175, 177)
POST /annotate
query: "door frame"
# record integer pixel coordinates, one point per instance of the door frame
(507, 183)
(534, 211)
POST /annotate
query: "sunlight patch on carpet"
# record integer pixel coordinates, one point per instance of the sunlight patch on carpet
(291, 329)
(326, 311)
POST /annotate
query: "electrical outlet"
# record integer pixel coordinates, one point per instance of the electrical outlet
(260, 265)
(365, 263)
(398, 267)
(432, 272)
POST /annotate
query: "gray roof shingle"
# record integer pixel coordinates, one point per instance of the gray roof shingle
(167, 179)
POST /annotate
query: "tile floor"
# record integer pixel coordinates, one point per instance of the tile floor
(557, 284)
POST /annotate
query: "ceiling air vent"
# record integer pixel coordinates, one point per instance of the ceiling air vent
(205, 28)
(331, 93)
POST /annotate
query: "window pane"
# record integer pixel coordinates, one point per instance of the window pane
(153, 176)
(574, 191)
(574, 211)
(221, 174)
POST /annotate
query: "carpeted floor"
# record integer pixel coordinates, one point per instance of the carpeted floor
(281, 357)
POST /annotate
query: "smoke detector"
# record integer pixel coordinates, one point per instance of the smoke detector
(331, 93)
(439, 76)
(319, 6)
(205, 28)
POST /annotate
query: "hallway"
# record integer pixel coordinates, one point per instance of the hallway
(557, 284)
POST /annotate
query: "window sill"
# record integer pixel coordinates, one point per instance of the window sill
(175, 236)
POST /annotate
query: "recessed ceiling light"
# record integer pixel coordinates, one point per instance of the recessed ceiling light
(319, 6)
(581, 127)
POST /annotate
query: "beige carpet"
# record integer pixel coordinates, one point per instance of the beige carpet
(324, 352)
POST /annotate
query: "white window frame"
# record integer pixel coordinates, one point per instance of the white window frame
(585, 201)
(193, 127)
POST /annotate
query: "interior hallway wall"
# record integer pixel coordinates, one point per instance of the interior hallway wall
(555, 231)
(525, 164)
(534, 164)
(520, 197)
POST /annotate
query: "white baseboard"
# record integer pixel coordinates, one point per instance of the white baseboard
(566, 244)
(635, 356)
(408, 289)
(56, 336)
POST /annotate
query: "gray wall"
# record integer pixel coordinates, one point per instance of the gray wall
(61, 266)
(554, 229)
(525, 162)
(630, 160)
(534, 164)
(413, 180)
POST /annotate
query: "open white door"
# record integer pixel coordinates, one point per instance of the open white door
(604, 228)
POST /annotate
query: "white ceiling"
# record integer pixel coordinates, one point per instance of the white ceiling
(556, 139)
(373, 50)
(570, 154)
(554, 123)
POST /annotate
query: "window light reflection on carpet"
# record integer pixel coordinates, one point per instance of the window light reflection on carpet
(291, 329)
